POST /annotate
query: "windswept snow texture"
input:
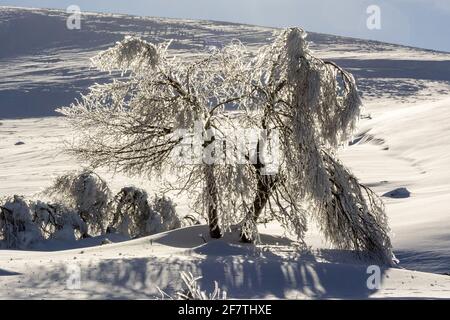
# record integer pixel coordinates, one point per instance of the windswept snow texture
(45, 65)
(401, 150)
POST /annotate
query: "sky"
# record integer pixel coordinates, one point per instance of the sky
(418, 23)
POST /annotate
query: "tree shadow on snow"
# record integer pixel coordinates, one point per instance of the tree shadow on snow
(247, 273)
(273, 276)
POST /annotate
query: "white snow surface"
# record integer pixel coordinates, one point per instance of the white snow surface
(401, 150)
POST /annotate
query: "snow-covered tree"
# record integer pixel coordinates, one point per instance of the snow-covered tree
(132, 124)
(312, 106)
(165, 207)
(302, 107)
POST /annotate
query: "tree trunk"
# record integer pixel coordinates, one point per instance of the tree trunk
(212, 200)
(265, 187)
(212, 195)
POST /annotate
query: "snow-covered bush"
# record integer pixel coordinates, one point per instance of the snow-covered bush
(58, 222)
(24, 223)
(83, 206)
(136, 215)
(86, 193)
(131, 212)
(17, 229)
(165, 207)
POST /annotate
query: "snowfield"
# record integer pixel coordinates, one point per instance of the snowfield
(134, 269)
(401, 149)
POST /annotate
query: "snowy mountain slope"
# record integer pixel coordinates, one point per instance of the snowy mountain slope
(45, 65)
(402, 142)
(409, 147)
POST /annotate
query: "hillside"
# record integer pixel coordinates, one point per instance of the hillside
(45, 65)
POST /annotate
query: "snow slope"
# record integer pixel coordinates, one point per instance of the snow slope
(134, 269)
(409, 147)
(402, 142)
(44, 64)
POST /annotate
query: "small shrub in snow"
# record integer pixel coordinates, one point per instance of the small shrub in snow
(17, 229)
(193, 290)
(135, 216)
(86, 193)
(166, 209)
(131, 212)
(58, 222)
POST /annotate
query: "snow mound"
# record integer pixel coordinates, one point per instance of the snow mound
(224, 248)
(399, 193)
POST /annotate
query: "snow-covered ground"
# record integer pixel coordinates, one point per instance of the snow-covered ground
(401, 149)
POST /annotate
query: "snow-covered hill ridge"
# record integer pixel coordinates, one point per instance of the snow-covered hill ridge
(45, 65)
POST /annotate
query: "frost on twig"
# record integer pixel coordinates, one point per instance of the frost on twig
(132, 54)
(193, 290)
